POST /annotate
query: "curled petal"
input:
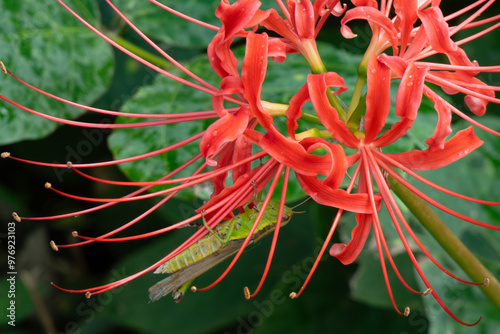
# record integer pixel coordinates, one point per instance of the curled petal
(337, 198)
(229, 85)
(294, 111)
(237, 16)
(234, 18)
(408, 101)
(304, 19)
(226, 129)
(339, 165)
(348, 253)
(317, 86)
(376, 20)
(378, 97)
(220, 56)
(443, 127)
(406, 11)
(365, 3)
(438, 34)
(242, 150)
(460, 145)
(276, 49)
(276, 23)
(321, 6)
(475, 103)
(292, 154)
(253, 73)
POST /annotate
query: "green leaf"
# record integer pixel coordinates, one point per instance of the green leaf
(46, 46)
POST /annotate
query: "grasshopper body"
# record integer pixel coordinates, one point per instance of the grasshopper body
(213, 249)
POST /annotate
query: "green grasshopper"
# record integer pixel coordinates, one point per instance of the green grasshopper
(222, 242)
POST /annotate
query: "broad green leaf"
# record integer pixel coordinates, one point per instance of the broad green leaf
(46, 46)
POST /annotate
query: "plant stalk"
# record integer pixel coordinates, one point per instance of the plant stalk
(448, 240)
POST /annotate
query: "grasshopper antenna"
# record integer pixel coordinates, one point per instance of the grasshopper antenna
(308, 198)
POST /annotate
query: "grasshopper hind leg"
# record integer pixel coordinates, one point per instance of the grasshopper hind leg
(178, 293)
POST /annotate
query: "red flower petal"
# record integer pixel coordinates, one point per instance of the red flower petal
(338, 167)
(348, 253)
(406, 11)
(253, 73)
(292, 154)
(376, 20)
(224, 130)
(294, 111)
(443, 127)
(337, 198)
(317, 86)
(408, 101)
(457, 147)
(378, 97)
(303, 18)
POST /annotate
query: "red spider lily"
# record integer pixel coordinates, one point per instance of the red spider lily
(371, 160)
(227, 144)
(433, 36)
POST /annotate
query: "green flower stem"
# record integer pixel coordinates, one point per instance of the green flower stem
(310, 52)
(146, 55)
(311, 118)
(448, 240)
(356, 97)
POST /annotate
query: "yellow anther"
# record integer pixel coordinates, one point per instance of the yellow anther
(16, 217)
(194, 289)
(427, 292)
(293, 295)
(246, 291)
(53, 245)
(5, 155)
(48, 185)
(2, 66)
(407, 311)
(74, 233)
(486, 281)
(88, 294)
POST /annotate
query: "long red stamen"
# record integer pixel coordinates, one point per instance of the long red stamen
(328, 237)
(434, 96)
(99, 207)
(395, 163)
(377, 229)
(209, 174)
(184, 16)
(118, 113)
(132, 222)
(275, 234)
(107, 125)
(161, 51)
(393, 204)
(113, 162)
(270, 165)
